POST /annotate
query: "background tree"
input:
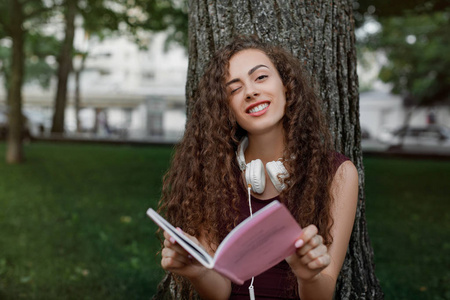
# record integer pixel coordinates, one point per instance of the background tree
(16, 19)
(321, 35)
(39, 53)
(21, 22)
(70, 8)
(100, 18)
(414, 45)
(134, 19)
(414, 38)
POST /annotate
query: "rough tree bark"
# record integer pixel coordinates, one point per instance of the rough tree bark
(321, 34)
(14, 152)
(64, 68)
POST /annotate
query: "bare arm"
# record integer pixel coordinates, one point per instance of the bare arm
(316, 266)
(208, 283)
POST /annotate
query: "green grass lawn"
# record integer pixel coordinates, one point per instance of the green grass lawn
(73, 223)
(408, 215)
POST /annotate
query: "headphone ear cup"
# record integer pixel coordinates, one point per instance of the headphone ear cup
(254, 175)
(276, 170)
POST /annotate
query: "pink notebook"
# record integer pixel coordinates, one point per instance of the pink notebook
(255, 245)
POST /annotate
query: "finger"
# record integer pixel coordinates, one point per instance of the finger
(175, 257)
(314, 242)
(168, 263)
(176, 247)
(172, 240)
(181, 257)
(308, 233)
(193, 238)
(305, 236)
(314, 254)
(168, 237)
(320, 263)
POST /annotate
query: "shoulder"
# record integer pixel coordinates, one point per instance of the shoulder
(347, 171)
(346, 182)
(344, 168)
(338, 159)
(343, 165)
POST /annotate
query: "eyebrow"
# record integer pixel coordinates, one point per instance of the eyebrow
(252, 70)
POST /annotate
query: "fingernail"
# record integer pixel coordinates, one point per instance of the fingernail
(299, 243)
(172, 240)
(179, 229)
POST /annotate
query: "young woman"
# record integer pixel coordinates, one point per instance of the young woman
(254, 103)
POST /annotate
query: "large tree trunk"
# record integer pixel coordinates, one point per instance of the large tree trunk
(321, 34)
(65, 67)
(14, 153)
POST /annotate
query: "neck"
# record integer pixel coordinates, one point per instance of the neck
(267, 147)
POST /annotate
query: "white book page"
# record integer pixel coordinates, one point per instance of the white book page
(195, 250)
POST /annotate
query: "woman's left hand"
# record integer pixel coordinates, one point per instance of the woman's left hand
(311, 256)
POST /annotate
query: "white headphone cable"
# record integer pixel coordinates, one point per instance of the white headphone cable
(249, 188)
(251, 289)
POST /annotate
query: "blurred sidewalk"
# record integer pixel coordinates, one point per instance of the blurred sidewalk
(91, 138)
(369, 147)
(373, 147)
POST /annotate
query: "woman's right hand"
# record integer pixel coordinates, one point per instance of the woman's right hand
(208, 283)
(177, 260)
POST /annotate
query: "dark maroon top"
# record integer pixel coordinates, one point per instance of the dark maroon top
(273, 283)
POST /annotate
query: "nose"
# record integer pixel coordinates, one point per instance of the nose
(252, 93)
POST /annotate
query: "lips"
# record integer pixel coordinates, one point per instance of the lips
(257, 108)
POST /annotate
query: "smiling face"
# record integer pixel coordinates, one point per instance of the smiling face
(256, 92)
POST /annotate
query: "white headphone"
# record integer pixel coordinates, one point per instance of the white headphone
(254, 171)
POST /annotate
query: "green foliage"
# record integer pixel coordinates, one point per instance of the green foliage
(32, 14)
(388, 8)
(40, 50)
(414, 37)
(38, 46)
(136, 18)
(178, 26)
(414, 46)
(158, 15)
(100, 18)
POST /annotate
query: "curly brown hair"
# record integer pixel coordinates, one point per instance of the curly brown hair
(201, 190)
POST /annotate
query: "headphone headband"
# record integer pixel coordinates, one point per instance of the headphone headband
(254, 171)
(243, 144)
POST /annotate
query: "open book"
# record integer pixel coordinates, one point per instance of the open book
(255, 245)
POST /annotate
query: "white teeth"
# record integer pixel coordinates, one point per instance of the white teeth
(258, 108)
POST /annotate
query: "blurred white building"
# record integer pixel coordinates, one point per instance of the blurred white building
(140, 91)
(124, 90)
(138, 94)
(381, 111)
